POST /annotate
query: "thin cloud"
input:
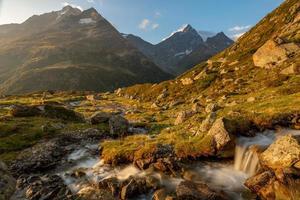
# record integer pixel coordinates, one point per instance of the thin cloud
(239, 28)
(238, 35)
(91, 1)
(157, 14)
(146, 24)
(72, 5)
(155, 26)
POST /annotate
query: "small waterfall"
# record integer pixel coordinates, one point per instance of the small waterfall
(246, 152)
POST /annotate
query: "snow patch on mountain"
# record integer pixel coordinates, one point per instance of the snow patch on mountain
(87, 21)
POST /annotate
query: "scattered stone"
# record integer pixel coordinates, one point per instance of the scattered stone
(25, 111)
(208, 122)
(100, 117)
(293, 69)
(175, 103)
(154, 106)
(212, 107)
(196, 107)
(182, 117)
(92, 193)
(52, 127)
(220, 134)
(251, 99)
(160, 194)
(272, 53)
(44, 187)
(118, 125)
(283, 153)
(94, 97)
(7, 182)
(187, 81)
(196, 191)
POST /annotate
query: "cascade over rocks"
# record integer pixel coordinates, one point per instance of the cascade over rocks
(279, 177)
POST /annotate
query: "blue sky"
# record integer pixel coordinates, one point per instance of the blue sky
(154, 20)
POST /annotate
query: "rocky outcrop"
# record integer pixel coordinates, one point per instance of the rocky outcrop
(279, 177)
(25, 111)
(283, 153)
(43, 187)
(7, 183)
(118, 126)
(182, 117)
(220, 134)
(100, 117)
(197, 191)
(274, 52)
(92, 193)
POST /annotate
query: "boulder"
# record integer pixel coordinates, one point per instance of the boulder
(196, 191)
(220, 134)
(118, 125)
(261, 184)
(211, 108)
(100, 117)
(182, 117)
(293, 69)
(94, 97)
(7, 182)
(187, 81)
(272, 53)
(283, 153)
(25, 111)
(196, 107)
(44, 187)
(92, 193)
(110, 184)
(59, 112)
(160, 194)
(133, 187)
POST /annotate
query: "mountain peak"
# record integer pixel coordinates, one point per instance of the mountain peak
(91, 13)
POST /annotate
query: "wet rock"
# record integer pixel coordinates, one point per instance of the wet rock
(196, 191)
(283, 153)
(7, 182)
(111, 184)
(78, 173)
(118, 125)
(133, 187)
(160, 194)
(100, 117)
(25, 111)
(261, 184)
(45, 187)
(220, 134)
(92, 193)
(272, 53)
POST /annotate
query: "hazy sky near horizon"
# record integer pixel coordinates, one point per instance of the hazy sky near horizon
(154, 20)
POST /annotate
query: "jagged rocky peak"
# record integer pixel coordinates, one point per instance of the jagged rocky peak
(91, 13)
(69, 10)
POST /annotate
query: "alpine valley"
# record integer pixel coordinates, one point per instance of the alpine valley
(226, 129)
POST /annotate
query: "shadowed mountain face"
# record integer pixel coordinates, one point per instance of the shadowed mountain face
(182, 49)
(70, 50)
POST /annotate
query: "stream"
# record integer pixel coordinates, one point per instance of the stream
(88, 169)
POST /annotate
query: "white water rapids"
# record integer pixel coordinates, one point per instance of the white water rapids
(227, 177)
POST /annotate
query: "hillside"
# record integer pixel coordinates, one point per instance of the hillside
(70, 50)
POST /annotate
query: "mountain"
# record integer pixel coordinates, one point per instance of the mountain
(206, 34)
(181, 49)
(70, 50)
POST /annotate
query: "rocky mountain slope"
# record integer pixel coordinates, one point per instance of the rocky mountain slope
(70, 50)
(182, 49)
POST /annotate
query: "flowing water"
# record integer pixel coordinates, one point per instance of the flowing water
(220, 176)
